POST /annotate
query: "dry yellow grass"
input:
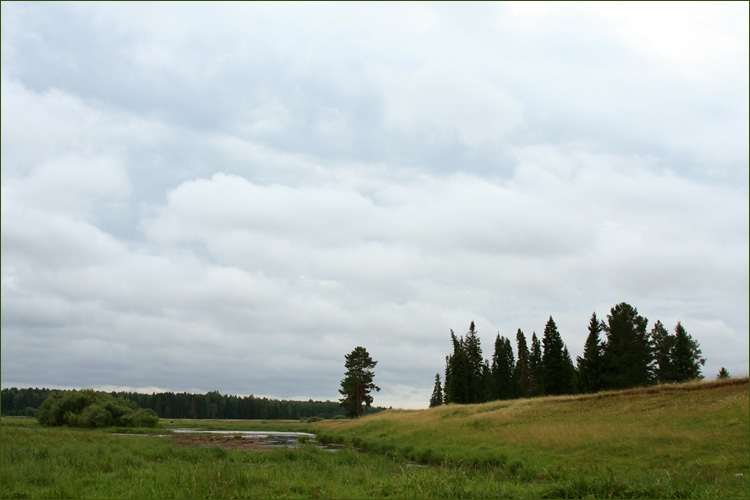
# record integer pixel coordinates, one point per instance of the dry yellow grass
(698, 422)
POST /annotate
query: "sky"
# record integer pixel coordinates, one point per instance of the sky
(233, 196)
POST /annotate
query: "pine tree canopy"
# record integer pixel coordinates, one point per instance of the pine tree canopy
(556, 378)
(523, 370)
(357, 385)
(686, 356)
(627, 354)
(590, 370)
(663, 344)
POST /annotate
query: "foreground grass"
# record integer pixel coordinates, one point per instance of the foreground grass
(67, 463)
(681, 442)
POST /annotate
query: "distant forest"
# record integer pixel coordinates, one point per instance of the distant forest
(26, 402)
(628, 356)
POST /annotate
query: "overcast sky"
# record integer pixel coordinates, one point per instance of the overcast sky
(234, 196)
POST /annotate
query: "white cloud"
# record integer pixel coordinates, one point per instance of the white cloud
(262, 188)
(449, 105)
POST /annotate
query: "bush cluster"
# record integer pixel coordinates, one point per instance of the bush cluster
(88, 408)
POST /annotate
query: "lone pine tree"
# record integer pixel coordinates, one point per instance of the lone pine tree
(357, 385)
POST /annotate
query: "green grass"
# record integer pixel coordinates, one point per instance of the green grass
(72, 463)
(687, 441)
(667, 441)
(235, 425)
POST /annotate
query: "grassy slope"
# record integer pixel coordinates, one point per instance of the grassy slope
(697, 432)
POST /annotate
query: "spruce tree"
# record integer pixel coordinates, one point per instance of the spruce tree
(663, 343)
(686, 356)
(457, 373)
(555, 375)
(590, 365)
(357, 385)
(723, 373)
(627, 354)
(475, 361)
(486, 381)
(535, 367)
(522, 372)
(437, 393)
(570, 374)
(501, 372)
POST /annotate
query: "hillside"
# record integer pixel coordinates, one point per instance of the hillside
(695, 433)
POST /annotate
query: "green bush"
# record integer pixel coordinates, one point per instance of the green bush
(88, 408)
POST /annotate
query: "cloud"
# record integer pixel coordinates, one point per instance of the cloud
(233, 198)
(449, 105)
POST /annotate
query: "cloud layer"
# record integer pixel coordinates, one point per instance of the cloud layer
(236, 196)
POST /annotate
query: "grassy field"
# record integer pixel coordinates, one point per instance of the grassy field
(688, 441)
(668, 441)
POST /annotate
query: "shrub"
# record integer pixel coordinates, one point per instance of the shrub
(88, 408)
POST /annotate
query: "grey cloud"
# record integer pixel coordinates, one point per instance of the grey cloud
(233, 198)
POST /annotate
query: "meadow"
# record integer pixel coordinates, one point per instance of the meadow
(685, 441)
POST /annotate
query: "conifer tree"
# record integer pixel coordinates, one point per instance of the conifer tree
(570, 374)
(485, 383)
(501, 372)
(437, 393)
(723, 373)
(627, 353)
(457, 373)
(555, 373)
(686, 356)
(663, 343)
(357, 385)
(590, 365)
(522, 372)
(535, 367)
(475, 361)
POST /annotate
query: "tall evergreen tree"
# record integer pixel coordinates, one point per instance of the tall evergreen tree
(590, 365)
(437, 393)
(555, 375)
(627, 353)
(457, 373)
(503, 364)
(486, 383)
(476, 372)
(535, 367)
(357, 385)
(570, 373)
(686, 356)
(663, 343)
(522, 372)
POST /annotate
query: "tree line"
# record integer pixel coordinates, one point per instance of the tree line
(619, 353)
(185, 405)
